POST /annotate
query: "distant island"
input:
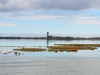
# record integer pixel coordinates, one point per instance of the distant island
(53, 38)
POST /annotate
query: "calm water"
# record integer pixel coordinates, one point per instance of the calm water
(83, 62)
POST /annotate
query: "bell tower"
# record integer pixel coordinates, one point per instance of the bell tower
(47, 34)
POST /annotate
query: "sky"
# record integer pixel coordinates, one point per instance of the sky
(54, 16)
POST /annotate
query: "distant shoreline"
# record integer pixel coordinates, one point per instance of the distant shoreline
(54, 38)
(51, 37)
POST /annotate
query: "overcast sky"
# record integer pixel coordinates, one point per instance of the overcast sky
(55, 16)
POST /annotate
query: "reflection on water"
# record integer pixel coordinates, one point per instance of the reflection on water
(58, 58)
(11, 46)
(56, 48)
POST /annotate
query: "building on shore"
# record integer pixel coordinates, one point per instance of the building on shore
(47, 34)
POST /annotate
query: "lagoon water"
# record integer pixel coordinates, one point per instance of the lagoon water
(83, 62)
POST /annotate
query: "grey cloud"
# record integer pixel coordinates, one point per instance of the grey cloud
(3, 1)
(74, 5)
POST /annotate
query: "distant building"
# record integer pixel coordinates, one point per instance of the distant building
(47, 34)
